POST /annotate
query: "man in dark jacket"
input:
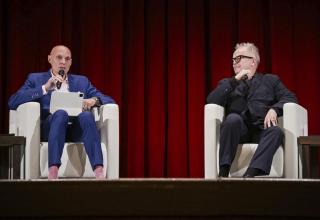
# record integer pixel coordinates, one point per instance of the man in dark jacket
(252, 102)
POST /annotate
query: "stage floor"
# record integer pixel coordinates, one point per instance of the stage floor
(226, 198)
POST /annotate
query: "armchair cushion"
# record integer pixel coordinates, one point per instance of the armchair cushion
(244, 155)
(75, 161)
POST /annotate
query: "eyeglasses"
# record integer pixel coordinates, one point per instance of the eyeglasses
(59, 58)
(237, 59)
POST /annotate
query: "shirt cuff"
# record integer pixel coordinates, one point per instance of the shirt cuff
(44, 91)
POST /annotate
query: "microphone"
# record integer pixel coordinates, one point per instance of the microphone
(58, 84)
(245, 80)
(245, 77)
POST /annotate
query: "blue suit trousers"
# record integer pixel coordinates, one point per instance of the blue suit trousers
(59, 127)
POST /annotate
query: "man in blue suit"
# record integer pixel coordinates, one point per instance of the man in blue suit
(253, 102)
(56, 127)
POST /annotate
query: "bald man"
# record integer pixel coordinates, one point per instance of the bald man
(55, 128)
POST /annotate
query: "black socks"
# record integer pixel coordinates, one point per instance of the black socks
(224, 170)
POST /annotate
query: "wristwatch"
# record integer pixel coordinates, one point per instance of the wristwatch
(97, 101)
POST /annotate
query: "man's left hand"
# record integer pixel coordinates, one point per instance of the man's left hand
(87, 104)
(271, 119)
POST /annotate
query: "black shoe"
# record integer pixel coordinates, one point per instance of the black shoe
(247, 175)
(224, 170)
(252, 172)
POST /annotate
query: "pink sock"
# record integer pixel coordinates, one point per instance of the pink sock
(53, 172)
(98, 172)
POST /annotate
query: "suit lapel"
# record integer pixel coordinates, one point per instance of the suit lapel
(46, 76)
(71, 83)
(256, 81)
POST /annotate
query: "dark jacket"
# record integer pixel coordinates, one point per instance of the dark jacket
(252, 99)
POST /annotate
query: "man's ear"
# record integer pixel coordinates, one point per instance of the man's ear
(49, 58)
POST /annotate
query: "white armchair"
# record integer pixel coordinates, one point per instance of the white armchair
(286, 161)
(25, 121)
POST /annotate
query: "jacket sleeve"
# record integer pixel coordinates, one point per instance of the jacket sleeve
(283, 95)
(93, 92)
(221, 93)
(29, 92)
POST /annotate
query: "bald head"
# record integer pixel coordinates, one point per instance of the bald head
(59, 48)
(60, 59)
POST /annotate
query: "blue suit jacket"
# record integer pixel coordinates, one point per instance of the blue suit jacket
(31, 91)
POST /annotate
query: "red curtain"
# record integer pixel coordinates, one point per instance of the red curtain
(159, 59)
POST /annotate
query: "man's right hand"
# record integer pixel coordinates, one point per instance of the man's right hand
(51, 83)
(242, 73)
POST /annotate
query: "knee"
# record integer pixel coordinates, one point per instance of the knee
(276, 131)
(232, 119)
(60, 115)
(86, 116)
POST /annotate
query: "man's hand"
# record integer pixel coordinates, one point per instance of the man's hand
(271, 119)
(87, 104)
(242, 73)
(51, 83)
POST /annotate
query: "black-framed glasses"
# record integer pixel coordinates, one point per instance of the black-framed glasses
(237, 59)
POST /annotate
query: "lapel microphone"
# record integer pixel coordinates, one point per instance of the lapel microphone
(58, 84)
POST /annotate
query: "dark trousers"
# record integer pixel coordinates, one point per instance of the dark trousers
(59, 127)
(234, 130)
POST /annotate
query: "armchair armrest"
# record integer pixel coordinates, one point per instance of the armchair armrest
(109, 128)
(13, 122)
(25, 121)
(213, 116)
(295, 124)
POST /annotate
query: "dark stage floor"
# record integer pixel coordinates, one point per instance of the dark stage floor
(160, 198)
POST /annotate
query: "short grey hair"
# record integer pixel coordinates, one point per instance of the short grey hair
(251, 48)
